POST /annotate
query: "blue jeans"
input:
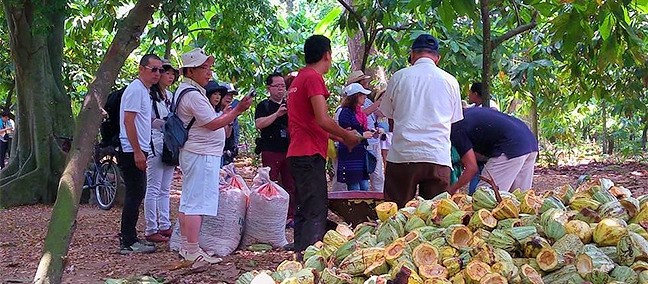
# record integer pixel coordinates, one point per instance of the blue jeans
(362, 185)
(475, 180)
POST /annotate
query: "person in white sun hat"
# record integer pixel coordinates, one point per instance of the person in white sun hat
(370, 108)
(353, 167)
(200, 157)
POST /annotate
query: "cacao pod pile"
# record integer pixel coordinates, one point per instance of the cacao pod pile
(595, 233)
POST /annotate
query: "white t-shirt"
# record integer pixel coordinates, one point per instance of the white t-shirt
(202, 141)
(157, 134)
(136, 99)
(423, 101)
(493, 105)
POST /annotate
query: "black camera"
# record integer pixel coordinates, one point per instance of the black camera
(383, 137)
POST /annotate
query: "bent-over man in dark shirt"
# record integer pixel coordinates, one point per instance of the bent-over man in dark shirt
(508, 143)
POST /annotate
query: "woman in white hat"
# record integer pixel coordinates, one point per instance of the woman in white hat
(352, 163)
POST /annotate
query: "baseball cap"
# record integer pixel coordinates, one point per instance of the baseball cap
(195, 58)
(356, 76)
(425, 41)
(355, 88)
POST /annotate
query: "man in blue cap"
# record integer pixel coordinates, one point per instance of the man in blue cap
(421, 102)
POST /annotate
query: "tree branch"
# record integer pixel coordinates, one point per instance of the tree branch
(358, 19)
(517, 12)
(194, 30)
(516, 31)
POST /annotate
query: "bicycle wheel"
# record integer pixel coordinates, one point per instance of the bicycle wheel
(106, 184)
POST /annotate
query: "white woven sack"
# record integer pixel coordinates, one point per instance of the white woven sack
(220, 235)
(265, 221)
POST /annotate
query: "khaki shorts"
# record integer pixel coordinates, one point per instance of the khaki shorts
(510, 174)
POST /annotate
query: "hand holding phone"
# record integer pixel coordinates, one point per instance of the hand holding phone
(234, 103)
(243, 105)
(252, 93)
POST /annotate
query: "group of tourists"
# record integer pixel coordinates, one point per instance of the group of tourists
(399, 143)
(207, 110)
(426, 119)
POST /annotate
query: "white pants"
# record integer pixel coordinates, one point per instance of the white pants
(200, 187)
(156, 201)
(510, 174)
(377, 178)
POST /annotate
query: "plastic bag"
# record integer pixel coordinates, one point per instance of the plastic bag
(220, 235)
(265, 221)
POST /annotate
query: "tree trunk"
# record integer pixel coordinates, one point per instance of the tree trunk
(169, 30)
(534, 114)
(644, 133)
(487, 50)
(513, 106)
(358, 55)
(604, 137)
(62, 223)
(356, 50)
(43, 109)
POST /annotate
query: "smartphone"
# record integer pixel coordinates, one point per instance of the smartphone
(252, 93)
(234, 103)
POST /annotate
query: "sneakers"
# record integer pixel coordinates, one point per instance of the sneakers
(198, 256)
(137, 247)
(167, 233)
(157, 238)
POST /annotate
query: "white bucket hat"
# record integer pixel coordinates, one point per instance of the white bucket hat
(355, 88)
(195, 58)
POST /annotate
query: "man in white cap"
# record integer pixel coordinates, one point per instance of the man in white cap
(135, 142)
(200, 157)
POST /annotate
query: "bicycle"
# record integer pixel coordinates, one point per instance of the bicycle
(103, 177)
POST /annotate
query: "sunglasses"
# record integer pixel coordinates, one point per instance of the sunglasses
(155, 69)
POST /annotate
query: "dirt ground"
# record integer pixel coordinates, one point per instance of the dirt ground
(94, 257)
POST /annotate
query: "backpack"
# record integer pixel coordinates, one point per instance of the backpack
(175, 133)
(109, 128)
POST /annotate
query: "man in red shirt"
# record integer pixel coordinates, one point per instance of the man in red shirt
(309, 127)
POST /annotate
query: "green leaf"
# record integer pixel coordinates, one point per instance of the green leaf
(640, 5)
(447, 14)
(323, 25)
(606, 27)
(454, 46)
